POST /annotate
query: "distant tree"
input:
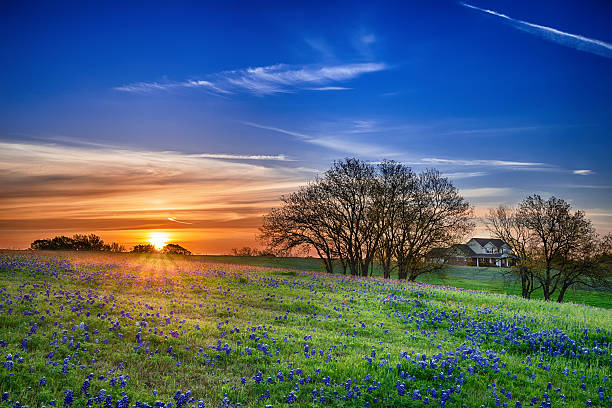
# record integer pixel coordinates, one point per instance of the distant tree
(78, 242)
(244, 251)
(91, 242)
(116, 247)
(144, 248)
(41, 244)
(175, 249)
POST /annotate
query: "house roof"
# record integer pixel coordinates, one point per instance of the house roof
(462, 250)
(495, 241)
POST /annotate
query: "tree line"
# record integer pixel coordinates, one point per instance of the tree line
(358, 213)
(92, 242)
(556, 248)
(78, 242)
(174, 249)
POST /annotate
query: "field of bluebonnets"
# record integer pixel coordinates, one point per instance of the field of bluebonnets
(126, 331)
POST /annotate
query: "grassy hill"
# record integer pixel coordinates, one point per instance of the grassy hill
(488, 279)
(127, 331)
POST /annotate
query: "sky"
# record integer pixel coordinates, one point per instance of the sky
(192, 119)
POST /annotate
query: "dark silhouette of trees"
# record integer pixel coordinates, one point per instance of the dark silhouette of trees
(175, 249)
(557, 248)
(144, 248)
(357, 212)
(78, 242)
(116, 247)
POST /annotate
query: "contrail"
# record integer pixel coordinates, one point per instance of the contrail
(576, 41)
(180, 222)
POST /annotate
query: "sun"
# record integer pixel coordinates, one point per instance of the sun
(158, 239)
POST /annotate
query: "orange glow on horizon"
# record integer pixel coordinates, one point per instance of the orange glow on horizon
(158, 239)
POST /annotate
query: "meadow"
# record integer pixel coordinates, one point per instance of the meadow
(81, 330)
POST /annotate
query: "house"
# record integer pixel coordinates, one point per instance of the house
(476, 252)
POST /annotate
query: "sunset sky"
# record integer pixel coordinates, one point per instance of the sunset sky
(192, 121)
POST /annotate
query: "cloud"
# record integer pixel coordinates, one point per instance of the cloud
(178, 222)
(345, 145)
(147, 87)
(267, 80)
(348, 144)
(93, 182)
(485, 192)
(277, 157)
(584, 172)
(462, 174)
(492, 163)
(329, 88)
(575, 41)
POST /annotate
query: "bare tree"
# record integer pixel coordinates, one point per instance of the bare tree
(359, 211)
(300, 221)
(348, 188)
(434, 215)
(398, 188)
(504, 224)
(558, 232)
(587, 264)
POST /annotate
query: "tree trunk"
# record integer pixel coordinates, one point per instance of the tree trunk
(561, 293)
(401, 272)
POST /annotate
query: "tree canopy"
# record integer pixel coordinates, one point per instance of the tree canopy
(557, 247)
(358, 212)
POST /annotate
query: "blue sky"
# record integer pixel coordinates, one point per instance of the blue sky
(507, 98)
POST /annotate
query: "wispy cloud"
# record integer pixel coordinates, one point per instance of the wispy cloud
(576, 41)
(583, 172)
(277, 157)
(179, 222)
(486, 192)
(340, 144)
(329, 88)
(146, 87)
(273, 79)
(464, 174)
(491, 163)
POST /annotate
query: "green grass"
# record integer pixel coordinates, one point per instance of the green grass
(468, 277)
(205, 301)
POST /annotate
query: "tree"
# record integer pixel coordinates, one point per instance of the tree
(116, 247)
(144, 248)
(353, 212)
(398, 183)
(357, 212)
(301, 221)
(432, 214)
(587, 264)
(91, 242)
(78, 242)
(244, 251)
(175, 249)
(557, 234)
(504, 224)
